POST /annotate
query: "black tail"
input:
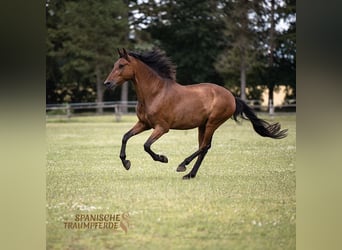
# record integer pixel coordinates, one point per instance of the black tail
(260, 126)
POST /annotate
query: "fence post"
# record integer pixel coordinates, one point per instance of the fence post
(271, 110)
(117, 112)
(68, 110)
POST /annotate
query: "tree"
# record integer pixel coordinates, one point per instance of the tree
(286, 51)
(81, 40)
(256, 48)
(239, 54)
(190, 33)
(279, 45)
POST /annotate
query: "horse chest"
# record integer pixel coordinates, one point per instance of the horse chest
(146, 115)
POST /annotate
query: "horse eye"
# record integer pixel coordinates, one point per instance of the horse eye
(121, 66)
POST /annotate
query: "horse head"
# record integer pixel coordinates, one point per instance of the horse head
(121, 72)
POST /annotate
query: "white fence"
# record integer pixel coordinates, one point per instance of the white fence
(120, 108)
(288, 106)
(72, 109)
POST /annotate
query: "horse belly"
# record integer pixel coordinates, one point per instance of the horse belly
(194, 122)
(189, 115)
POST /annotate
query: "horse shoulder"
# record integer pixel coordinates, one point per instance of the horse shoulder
(141, 114)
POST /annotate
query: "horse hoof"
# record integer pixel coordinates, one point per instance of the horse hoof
(127, 164)
(163, 158)
(188, 177)
(181, 168)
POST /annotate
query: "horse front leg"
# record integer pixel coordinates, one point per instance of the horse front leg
(156, 134)
(138, 128)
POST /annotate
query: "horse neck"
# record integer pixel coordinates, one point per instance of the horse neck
(148, 84)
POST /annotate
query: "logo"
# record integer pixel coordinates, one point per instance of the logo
(115, 222)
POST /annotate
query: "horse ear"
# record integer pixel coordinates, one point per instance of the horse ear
(120, 53)
(125, 54)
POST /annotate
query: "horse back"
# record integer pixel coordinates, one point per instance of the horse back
(220, 99)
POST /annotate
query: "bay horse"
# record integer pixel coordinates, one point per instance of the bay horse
(164, 104)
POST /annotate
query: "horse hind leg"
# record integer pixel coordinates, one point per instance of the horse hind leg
(204, 138)
(182, 166)
(198, 163)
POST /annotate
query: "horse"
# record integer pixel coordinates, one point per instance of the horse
(164, 104)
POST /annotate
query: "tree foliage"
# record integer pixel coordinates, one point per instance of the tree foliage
(190, 33)
(81, 41)
(239, 55)
(256, 48)
(226, 42)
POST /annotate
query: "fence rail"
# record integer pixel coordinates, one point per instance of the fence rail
(119, 108)
(68, 109)
(287, 106)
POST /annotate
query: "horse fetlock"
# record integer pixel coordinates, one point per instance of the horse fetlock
(123, 158)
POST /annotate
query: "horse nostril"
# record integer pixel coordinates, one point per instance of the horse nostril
(110, 84)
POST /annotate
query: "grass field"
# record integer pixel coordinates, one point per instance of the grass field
(242, 198)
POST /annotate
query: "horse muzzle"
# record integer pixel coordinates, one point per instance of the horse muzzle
(110, 85)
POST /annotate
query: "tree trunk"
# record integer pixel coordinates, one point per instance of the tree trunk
(271, 59)
(270, 91)
(124, 97)
(243, 80)
(243, 47)
(99, 89)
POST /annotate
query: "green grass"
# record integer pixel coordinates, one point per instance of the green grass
(242, 198)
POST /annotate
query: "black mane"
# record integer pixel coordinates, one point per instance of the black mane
(158, 61)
